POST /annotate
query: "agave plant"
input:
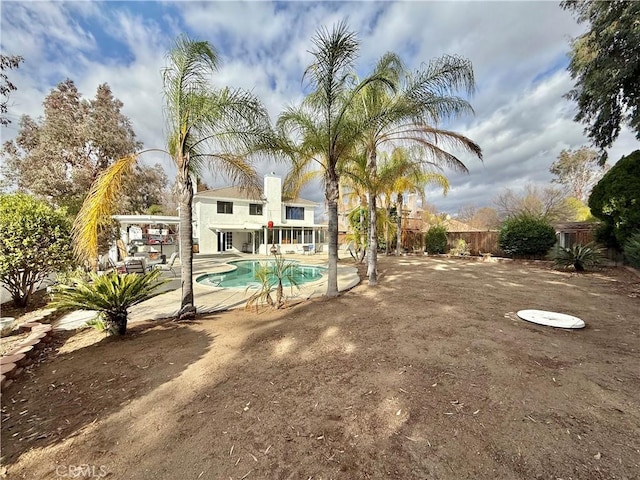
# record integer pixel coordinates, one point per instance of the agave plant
(632, 250)
(580, 257)
(111, 295)
(272, 276)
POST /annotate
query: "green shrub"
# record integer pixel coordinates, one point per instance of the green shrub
(461, 249)
(526, 236)
(111, 295)
(435, 240)
(616, 199)
(35, 241)
(580, 257)
(632, 250)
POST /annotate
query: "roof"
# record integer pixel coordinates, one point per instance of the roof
(229, 192)
(454, 225)
(299, 201)
(236, 193)
(146, 219)
(575, 226)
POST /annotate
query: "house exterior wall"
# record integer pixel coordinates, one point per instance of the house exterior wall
(242, 232)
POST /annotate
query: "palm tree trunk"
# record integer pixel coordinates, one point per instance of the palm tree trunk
(387, 240)
(117, 322)
(399, 220)
(187, 308)
(372, 264)
(331, 192)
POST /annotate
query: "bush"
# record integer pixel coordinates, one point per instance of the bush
(435, 240)
(580, 257)
(35, 241)
(616, 199)
(461, 249)
(632, 250)
(526, 235)
(110, 295)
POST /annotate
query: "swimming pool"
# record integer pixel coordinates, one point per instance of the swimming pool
(244, 274)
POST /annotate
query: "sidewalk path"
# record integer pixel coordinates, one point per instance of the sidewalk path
(212, 299)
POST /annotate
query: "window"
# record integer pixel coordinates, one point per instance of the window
(225, 207)
(255, 209)
(295, 213)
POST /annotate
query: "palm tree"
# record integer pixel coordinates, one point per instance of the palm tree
(206, 127)
(400, 174)
(406, 110)
(111, 295)
(324, 131)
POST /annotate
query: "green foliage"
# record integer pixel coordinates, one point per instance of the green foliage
(435, 240)
(580, 257)
(111, 295)
(632, 250)
(461, 249)
(357, 237)
(60, 154)
(7, 62)
(604, 66)
(35, 241)
(272, 275)
(616, 199)
(526, 235)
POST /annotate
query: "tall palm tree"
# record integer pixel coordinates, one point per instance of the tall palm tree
(322, 127)
(407, 110)
(400, 174)
(206, 127)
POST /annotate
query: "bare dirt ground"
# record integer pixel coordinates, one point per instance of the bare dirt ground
(426, 376)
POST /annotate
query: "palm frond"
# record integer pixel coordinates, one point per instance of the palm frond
(98, 206)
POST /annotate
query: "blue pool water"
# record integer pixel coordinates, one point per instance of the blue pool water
(245, 274)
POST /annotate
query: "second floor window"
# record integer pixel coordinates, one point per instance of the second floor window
(255, 209)
(295, 213)
(225, 207)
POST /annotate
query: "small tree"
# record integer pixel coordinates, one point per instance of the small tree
(435, 240)
(35, 241)
(273, 275)
(616, 200)
(526, 235)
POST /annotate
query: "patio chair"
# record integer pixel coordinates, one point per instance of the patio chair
(168, 267)
(134, 265)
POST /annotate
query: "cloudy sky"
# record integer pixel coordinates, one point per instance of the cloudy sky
(518, 49)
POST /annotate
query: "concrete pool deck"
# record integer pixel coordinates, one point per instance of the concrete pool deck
(214, 299)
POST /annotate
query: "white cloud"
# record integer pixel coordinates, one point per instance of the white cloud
(518, 50)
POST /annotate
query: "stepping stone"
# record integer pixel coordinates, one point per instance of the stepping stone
(38, 335)
(7, 369)
(28, 326)
(43, 328)
(26, 349)
(5, 381)
(13, 359)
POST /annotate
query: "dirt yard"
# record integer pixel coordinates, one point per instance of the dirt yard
(429, 375)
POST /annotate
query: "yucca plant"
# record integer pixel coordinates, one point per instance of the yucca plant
(580, 257)
(111, 295)
(272, 275)
(632, 250)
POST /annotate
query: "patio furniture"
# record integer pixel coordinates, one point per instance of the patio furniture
(168, 267)
(135, 265)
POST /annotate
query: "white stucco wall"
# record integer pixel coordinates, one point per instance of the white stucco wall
(240, 223)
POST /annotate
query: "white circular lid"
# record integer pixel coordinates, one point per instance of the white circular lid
(551, 319)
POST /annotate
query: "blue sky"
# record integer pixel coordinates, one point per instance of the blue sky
(518, 49)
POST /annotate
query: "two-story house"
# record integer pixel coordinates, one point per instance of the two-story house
(230, 220)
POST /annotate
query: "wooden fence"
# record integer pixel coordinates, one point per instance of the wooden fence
(478, 242)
